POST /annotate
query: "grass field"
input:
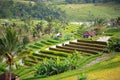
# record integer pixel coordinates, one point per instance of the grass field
(106, 70)
(81, 12)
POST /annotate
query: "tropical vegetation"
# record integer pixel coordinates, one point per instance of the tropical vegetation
(60, 39)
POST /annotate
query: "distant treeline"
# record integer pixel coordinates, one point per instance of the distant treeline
(78, 1)
(91, 1)
(39, 10)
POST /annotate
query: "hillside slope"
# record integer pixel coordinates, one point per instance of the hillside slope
(80, 12)
(105, 70)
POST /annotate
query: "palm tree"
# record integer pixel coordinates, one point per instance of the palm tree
(8, 47)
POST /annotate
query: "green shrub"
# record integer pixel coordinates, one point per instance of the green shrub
(51, 67)
(55, 66)
(2, 68)
(67, 37)
(108, 34)
(113, 30)
(114, 44)
(25, 40)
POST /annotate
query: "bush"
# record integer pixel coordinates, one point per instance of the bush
(114, 44)
(67, 37)
(113, 30)
(55, 66)
(25, 40)
(51, 67)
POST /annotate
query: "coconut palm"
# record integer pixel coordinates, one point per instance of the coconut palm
(9, 46)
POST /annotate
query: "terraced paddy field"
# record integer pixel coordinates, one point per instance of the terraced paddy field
(61, 50)
(52, 49)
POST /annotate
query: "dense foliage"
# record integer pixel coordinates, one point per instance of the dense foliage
(9, 42)
(51, 67)
(114, 43)
(39, 10)
(91, 1)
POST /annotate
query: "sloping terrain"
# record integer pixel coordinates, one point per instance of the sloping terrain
(88, 48)
(81, 12)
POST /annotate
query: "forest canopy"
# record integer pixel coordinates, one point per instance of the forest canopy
(91, 1)
(39, 10)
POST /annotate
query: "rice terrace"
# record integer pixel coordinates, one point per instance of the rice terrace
(59, 39)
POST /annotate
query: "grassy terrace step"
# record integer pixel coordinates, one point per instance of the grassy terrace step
(28, 60)
(35, 58)
(34, 47)
(39, 44)
(72, 49)
(32, 60)
(89, 44)
(77, 48)
(95, 42)
(29, 63)
(56, 53)
(46, 42)
(53, 41)
(62, 50)
(43, 55)
(84, 47)
(27, 71)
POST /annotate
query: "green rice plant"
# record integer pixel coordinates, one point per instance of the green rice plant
(39, 44)
(54, 53)
(28, 63)
(28, 70)
(53, 41)
(45, 42)
(34, 47)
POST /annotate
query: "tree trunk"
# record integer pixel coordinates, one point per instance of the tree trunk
(10, 71)
(10, 62)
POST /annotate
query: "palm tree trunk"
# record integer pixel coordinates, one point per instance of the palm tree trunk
(10, 70)
(10, 62)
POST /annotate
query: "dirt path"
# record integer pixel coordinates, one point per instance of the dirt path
(105, 57)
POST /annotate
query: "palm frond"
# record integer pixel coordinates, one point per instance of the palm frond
(9, 42)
